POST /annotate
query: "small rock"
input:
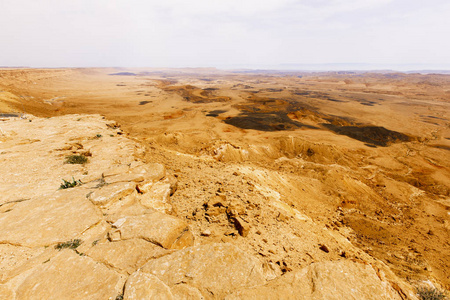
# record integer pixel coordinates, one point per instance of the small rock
(242, 226)
(114, 235)
(324, 248)
(118, 223)
(206, 232)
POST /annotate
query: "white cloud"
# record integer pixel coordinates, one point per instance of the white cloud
(201, 32)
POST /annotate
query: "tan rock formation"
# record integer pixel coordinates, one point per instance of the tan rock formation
(161, 229)
(215, 269)
(242, 241)
(326, 280)
(142, 286)
(128, 255)
(70, 276)
(49, 219)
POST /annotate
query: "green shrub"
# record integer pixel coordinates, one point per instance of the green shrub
(76, 159)
(119, 297)
(67, 184)
(428, 293)
(72, 244)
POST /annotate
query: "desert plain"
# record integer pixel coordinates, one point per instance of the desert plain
(290, 174)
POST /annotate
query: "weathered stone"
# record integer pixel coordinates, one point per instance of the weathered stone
(324, 280)
(151, 172)
(142, 286)
(111, 193)
(118, 223)
(12, 257)
(158, 197)
(186, 292)
(206, 232)
(242, 226)
(28, 264)
(134, 210)
(47, 220)
(116, 170)
(126, 255)
(173, 184)
(70, 276)
(127, 177)
(6, 293)
(215, 268)
(114, 235)
(120, 205)
(93, 235)
(164, 230)
(144, 187)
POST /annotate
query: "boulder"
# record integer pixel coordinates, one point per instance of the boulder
(215, 269)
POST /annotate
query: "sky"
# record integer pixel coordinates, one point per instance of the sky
(225, 33)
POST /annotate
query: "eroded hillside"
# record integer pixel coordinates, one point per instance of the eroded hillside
(292, 169)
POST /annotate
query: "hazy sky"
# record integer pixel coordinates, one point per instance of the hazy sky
(171, 33)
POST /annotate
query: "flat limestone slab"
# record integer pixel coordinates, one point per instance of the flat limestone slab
(128, 255)
(141, 286)
(112, 192)
(48, 220)
(339, 280)
(70, 276)
(167, 231)
(219, 269)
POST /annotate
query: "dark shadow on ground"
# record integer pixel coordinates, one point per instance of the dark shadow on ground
(372, 135)
(275, 121)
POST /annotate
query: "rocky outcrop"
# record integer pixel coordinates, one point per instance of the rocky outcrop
(70, 276)
(110, 229)
(215, 269)
(327, 280)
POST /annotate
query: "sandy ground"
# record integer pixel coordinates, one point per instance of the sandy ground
(364, 153)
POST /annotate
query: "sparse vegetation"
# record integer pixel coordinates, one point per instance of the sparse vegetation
(67, 184)
(95, 242)
(76, 159)
(72, 244)
(119, 297)
(429, 293)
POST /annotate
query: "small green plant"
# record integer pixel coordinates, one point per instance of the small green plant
(97, 136)
(76, 159)
(119, 297)
(95, 242)
(67, 184)
(431, 293)
(72, 244)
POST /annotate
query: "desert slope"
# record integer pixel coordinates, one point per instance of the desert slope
(293, 169)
